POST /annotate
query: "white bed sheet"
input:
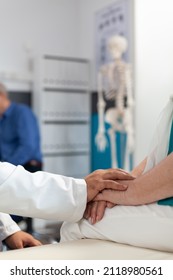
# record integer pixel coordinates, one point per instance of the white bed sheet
(86, 249)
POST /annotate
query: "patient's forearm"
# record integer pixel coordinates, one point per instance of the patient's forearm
(138, 170)
(155, 184)
(152, 186)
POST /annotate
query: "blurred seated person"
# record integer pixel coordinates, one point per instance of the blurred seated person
(19, 138)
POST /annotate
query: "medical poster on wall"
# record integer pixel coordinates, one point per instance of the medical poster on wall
(109, 21)
(114, 19)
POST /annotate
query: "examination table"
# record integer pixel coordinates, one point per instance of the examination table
(86, 249)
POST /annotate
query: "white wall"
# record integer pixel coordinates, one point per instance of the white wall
(154, 66)
(43, 25)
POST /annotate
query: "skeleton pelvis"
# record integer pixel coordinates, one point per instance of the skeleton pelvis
(114, 117)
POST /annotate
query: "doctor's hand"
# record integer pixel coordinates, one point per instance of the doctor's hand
(102, 179)
(21, 239)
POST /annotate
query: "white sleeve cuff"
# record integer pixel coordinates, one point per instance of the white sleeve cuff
(7, 226)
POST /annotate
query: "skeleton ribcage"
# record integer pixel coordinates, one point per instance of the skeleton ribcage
(115, 83)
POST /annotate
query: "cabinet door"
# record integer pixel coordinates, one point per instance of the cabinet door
(68, 138)
(63, 104)
(76, 166)
(68, 106)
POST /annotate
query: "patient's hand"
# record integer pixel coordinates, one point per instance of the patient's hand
(127, 197)
(95, 210)
(21, 239)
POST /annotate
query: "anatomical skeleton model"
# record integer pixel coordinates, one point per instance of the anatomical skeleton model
(117, 76)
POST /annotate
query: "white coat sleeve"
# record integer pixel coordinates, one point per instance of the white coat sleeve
(7, 226)
(41, 194)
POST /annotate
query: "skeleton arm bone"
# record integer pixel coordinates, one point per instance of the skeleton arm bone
(122, 86)
(100, 139)
(130, 100)
(129, 110)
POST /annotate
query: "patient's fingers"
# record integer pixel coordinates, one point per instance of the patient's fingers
(110, 204)
(87, 213)
(101, 207)
(97, 211)
(110, 196)
(94, 211)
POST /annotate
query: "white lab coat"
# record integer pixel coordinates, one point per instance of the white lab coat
(41, 194)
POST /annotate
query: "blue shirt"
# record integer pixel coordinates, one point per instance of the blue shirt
(168, 201)
(19, 135)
